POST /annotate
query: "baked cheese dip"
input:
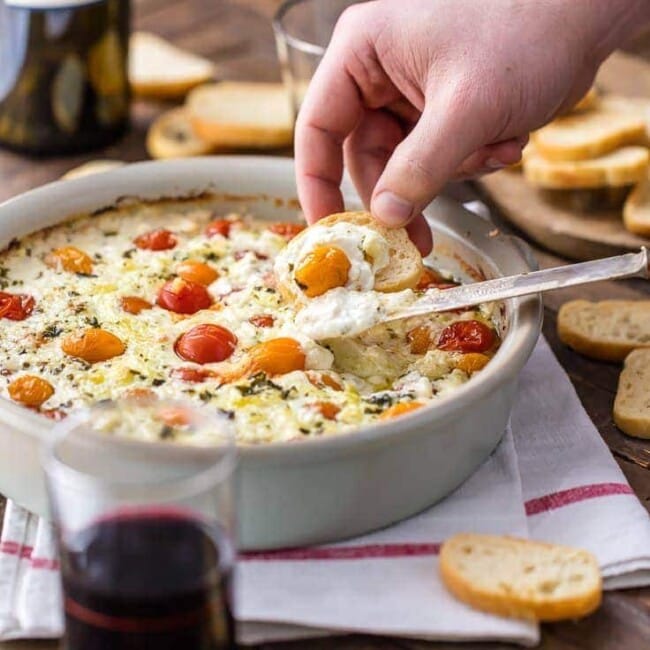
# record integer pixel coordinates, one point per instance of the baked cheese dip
(178, 299)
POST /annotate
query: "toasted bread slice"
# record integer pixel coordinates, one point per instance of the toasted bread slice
(632, 403)
(242, 115)
(521, 578)
(625, 166)
(607, 330)
(588, 135)
(91, 167)
(636, 211)
(405, 266)
(159, 69)
(171, 136)
(637, 106)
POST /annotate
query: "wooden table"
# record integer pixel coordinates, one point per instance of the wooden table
(238, 37)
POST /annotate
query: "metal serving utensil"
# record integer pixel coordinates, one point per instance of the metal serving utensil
(466, 295)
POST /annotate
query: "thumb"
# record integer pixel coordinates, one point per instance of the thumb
(423, 162)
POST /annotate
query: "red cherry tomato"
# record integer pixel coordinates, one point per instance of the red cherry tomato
(156, 240)
(206, 344)
(183, 297)
(15, 306)
(466, 336)
(263, 320)
(287, 230)
(218, 227)
(194, 375)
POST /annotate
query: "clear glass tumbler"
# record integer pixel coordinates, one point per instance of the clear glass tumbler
(145, 530)
(303, 29)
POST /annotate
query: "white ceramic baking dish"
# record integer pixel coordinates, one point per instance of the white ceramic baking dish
(317, 490)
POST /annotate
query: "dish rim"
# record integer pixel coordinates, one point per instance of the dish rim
(524, 317)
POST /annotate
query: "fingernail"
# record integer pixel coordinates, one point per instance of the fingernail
(391, 210)
(493, 163)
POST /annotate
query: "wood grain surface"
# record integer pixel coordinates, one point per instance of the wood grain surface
(238, 37)
(570, 232)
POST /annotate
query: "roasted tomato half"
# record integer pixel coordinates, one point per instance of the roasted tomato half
(15, 306)
(30, 390)
(195, 271)
(218, 227)
(466, 336)
(324, 268)
(156, 240)
(277, 356)
(183, 297)
(206, 343)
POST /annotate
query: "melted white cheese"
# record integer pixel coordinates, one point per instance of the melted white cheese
(263, 409)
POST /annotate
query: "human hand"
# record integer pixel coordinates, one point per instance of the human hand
(412, 94)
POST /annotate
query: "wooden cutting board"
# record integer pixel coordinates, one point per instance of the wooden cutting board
(573, 234)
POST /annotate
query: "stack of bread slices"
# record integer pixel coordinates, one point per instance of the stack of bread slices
(596, 156)
(223, 116)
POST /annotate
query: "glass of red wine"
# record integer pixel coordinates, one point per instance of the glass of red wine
(145, 529)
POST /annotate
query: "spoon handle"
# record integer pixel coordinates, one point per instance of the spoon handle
(610, 268)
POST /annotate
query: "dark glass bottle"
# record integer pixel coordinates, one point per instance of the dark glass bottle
(63, 74)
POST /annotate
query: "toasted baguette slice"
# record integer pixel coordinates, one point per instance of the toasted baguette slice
(637, 106)
(588, 101)
(520, 578)
(626, 166)
(632, 403)
(589, 135)
(171, 136)
(159, 69)
(405, 266)
(242, 115)
(636, 210)
(607, 330)
(91, 167)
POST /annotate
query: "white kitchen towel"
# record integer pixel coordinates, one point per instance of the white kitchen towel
(551, 478)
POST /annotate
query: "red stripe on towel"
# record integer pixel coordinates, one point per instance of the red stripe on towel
(346, 552)
(369, 551)
(574, 495)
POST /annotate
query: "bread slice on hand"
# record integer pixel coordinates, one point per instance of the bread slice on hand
(521, 578)
(636, 210)
(171, 136)
(632, 403)
(589, 134)
(607, 330)
(159, 69)
(625, 166)
(243, 115)
(405, 267)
